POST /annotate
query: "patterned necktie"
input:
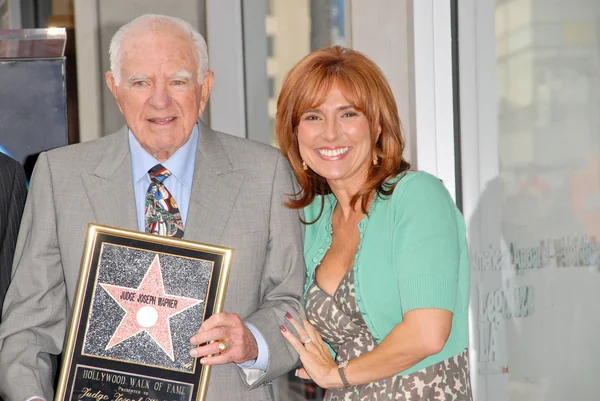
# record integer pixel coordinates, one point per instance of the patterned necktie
(162, 212)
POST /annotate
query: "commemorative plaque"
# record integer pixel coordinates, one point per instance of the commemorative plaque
(139, 299)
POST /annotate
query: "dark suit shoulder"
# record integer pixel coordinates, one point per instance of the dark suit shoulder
(7, 163)
(12, 178)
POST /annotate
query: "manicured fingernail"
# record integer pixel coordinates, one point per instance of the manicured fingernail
(296, 373)
(282, 328)
(288, 315)
(202, 361)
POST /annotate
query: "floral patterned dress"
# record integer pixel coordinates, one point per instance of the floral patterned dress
(340, 323)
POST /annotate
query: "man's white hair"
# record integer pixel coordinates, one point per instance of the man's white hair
(153, 21)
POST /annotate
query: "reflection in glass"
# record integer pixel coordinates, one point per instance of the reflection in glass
(536, 272)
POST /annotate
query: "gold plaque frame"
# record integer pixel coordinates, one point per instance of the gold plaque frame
(139, 299)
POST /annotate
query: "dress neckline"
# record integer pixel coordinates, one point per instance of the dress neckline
(331, 200)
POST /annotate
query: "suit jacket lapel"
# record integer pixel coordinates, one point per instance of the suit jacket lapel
(214, 190)
(110, 186)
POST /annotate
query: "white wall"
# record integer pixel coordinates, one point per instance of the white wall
(225, 47)
(384, 33)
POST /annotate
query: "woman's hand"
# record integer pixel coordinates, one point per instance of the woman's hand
(317, 362)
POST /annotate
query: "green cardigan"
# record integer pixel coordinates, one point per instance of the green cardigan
(412, 255)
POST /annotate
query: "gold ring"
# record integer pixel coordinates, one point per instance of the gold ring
(307, 340)
(222, 346)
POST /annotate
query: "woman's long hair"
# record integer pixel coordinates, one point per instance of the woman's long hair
(362, 83)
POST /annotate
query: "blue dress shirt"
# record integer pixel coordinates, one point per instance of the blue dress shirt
(179, 185)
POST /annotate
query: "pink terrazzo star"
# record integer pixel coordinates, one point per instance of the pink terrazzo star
(147, 308)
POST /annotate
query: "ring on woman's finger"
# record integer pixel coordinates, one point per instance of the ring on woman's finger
(222, 346)
(307, 340)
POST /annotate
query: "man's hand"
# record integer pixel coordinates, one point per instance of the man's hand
(228, 331)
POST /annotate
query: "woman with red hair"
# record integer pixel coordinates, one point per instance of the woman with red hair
(387, 280)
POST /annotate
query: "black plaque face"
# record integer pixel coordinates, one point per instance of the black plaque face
(140, 299)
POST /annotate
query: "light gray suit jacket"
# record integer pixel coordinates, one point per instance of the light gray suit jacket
(236, 201)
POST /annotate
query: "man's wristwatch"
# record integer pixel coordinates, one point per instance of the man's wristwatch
(341, 367)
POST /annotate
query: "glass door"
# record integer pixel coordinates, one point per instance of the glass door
(530, 144)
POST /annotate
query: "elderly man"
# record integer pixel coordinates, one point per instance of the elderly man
(225, 190)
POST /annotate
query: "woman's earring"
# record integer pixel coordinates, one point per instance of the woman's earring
(304, 166)
(375, 159)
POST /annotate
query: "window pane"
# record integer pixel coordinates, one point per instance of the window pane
(291, 30)
(535, 229)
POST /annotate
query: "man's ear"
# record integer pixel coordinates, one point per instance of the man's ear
(110, 82)
(209, 81)
(112, 86)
